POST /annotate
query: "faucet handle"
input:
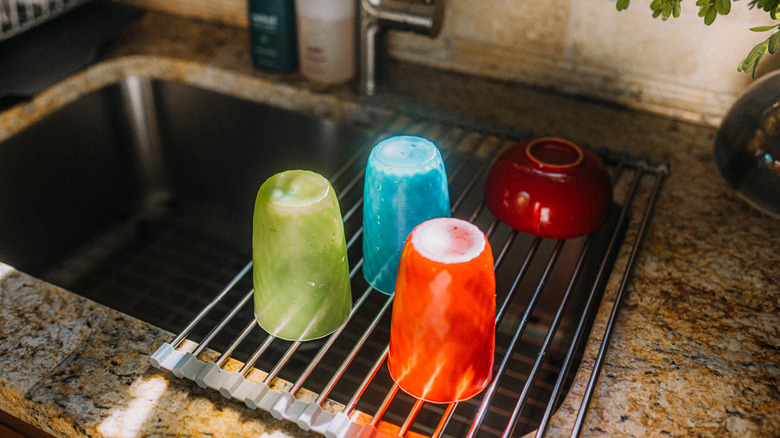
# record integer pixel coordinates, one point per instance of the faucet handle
(422, 16)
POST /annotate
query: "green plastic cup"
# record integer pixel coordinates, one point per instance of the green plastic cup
(299, 254)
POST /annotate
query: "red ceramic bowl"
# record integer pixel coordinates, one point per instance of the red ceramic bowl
(549, 187)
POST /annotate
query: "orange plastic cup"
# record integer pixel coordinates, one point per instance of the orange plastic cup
(442, 332)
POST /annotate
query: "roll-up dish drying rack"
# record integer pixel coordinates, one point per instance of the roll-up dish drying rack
(548, 292)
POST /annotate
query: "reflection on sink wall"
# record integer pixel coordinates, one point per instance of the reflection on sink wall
(142, 164)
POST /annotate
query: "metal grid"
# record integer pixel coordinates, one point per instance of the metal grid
(339, 386)
(17, 16)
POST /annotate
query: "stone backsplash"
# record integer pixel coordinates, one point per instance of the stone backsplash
(680, 67)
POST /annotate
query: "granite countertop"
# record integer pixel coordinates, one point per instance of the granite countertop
(694, 352)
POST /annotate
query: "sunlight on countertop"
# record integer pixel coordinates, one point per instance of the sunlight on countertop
(128, 421)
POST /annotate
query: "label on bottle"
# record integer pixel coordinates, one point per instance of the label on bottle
(327, 49)
(273, 34)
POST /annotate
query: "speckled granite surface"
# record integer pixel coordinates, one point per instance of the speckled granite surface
(695, 351)
(74, 368)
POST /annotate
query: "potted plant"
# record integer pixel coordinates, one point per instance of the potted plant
(709, 10)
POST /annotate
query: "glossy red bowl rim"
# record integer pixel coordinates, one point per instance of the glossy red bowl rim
(540, 163)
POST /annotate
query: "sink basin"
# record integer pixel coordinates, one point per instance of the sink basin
(139, 196)
(157, 169)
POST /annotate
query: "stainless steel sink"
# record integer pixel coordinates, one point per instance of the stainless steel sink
(139, 196)
(116, 172)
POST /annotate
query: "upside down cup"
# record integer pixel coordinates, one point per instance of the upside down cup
(549, 187)
(442, 331)
(299, 254)
(405, 185)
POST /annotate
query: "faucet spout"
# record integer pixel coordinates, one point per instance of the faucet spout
(424, 18)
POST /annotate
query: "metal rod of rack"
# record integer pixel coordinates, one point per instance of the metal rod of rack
(418, 404)
(350, 406)
(223, 323)
(600, 276)
(244, 333)
(380, 412)
(351, 356)
(547, 341)
(445, 420)
(661, 174)
(513, 343)
(256, 355)
(184, 333)
(324, 349)
(282, 362)
(473, 181)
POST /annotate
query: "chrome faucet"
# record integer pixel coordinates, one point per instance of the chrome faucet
(424, 17)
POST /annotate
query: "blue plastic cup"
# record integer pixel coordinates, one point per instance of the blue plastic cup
(405, 185)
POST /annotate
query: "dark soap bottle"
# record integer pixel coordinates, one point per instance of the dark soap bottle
(273, 35)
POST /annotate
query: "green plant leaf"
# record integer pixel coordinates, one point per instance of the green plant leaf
(723, 6)
(758, 51)
(667, 12)
(769, 5)
(744, 66)
(754, 58)
(709, 11)
(710, 16)
(764, 28)
(773, 42)
(759, 60)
